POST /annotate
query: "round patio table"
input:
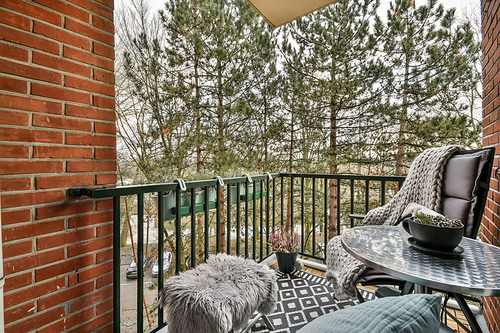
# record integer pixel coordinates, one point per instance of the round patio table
(386, 248)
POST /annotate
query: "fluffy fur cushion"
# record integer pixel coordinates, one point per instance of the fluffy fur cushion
(218, 296)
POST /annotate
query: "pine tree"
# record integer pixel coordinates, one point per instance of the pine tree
(151, 120)
(188, 25)
(260, 138)
(232, 71)
(332, 49)
(430, 55)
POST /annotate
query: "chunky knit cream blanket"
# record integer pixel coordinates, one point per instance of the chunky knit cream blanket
(422, 186)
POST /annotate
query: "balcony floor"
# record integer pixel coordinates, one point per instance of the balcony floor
(259, 327)
(301, 299)
(457, 313)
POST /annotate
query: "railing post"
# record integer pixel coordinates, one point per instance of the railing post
(193, 225)
(268, 199)
(217, 224)
(178, 231)
(338, 207)
(282, 206)
(228, 227)
(238, 222)
(254, 222)
(352, 202)
(314, 214)
(367, 195)
(116, 265)
(207, 227)
(274, 203)
(325, 222)
(291, 203)
(261, 218)
(382, 192)
(246, 219)
(160, 253)
(140, 262)
(302, 226)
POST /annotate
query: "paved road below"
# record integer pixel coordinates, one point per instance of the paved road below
(128, 295)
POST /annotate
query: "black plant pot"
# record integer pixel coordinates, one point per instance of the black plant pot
(433, 237)
(286, 261)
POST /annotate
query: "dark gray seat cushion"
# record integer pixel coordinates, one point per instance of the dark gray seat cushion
(460, 183)
(415, 313)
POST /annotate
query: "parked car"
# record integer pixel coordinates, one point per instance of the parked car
(132, 269)
(167, 260)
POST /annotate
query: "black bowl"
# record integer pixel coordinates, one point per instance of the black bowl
(432, 237)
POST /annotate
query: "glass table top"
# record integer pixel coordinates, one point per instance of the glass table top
(475, 272)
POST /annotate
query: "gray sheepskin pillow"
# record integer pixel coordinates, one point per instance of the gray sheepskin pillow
(218, 296)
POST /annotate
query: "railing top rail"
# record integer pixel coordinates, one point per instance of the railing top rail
(343, 176)
(106, 192)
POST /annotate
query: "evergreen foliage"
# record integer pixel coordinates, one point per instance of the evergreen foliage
(207, 87)
(431, 59)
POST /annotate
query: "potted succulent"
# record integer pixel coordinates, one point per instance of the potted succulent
(286, 245)
(437, 233)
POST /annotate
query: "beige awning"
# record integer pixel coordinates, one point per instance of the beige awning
(280, 12)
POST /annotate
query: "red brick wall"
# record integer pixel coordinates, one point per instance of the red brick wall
(491, 132)
(56, 131)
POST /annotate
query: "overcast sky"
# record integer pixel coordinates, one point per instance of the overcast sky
(461, 5)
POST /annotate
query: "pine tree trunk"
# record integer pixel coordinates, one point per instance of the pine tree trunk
(402, 125)
(220, 125)
(401, 138)
(266, 138)
(332, 218)
(290, 169)
(200, 236)
(198, 116)
(219, 159)
(223, 219)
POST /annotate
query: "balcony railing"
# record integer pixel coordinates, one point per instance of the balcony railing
(232, 215)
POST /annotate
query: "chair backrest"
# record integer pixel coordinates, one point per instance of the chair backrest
(466, 182)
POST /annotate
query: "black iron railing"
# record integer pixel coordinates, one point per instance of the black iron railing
(233, 215)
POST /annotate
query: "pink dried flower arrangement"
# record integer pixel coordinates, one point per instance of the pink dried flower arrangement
(284, 241)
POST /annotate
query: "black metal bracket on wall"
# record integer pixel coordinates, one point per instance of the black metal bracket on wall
(80, 192)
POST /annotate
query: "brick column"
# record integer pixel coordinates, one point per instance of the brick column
(491, 131)
(57, 131)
